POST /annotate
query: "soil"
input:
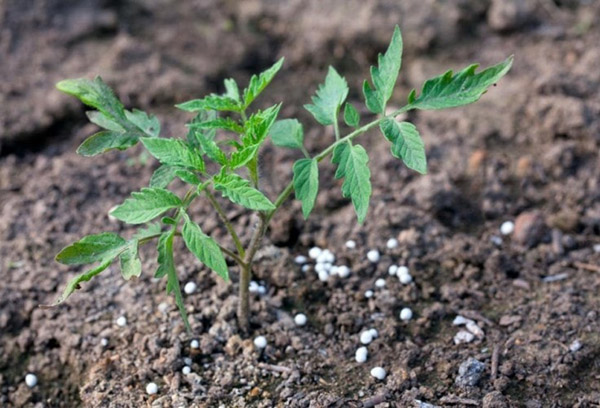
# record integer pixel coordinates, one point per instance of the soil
(527, 152)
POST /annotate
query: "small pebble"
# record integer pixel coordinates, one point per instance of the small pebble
(405, 278)
(373, 256)
(555, 278)
(163, 307)
(507, 227)
(475, 329)
(253, 287)
(343, 271)
(190, 288)
(300, 319)
(597, 248)
(374, 333)
(380, 283)
(31, 380)
(460, 320)
(262, 290)
(187, 361)
(496, 240)
(406, 314)
(104, 342)
(314, 252)
(463, 336)
(392, 243)
(323, 276)
(575, 346)
(260, 342)
(300, 259)
(361, 354)
(402, 270)
(392, 270)
(305, 268)
(122, 321)
(322, 267)
(195, 344)
(366, 337)
(378, 372)
(350, 244)
(369, 293)
(186, 370)
(470, 372)
(151, 388)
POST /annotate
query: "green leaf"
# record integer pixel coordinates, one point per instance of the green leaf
(449, 91)
(148, 124)
(166, 267)
(306, 183)
(146, 205)
(187, 176)
(351, 115)
(231, 90)
(213, 151)
(73, 284)
(174, 152)
(195, 134)
(353, 166)
(150, 230)
(100, 119)
(218, 123)
(239, 191)
(205, 248)
(258, 125)
(211, 102)
(104, 141)
(94, 93)
(92, 248)
(130, 262)
(259, 83)
(242, 157)
(384, 75)
(162, 176)
(329, 97)
(287, 133)
(406, 144)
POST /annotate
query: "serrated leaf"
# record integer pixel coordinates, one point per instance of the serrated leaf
(384, 75)
(146, 205)
(239, 191)
(351, 115)
(306, 183)
(232, 90)
(242, 157)
(205, 248)
(86, 276)
(329, 98)
(173, 152)
(100, 119)
(211, 102)
(162, 176)
(195, 134)
(259, 83)
(131, 266)
(213, 151)
(353, 166)
(148, 124)
(449, 91)
(151, 230)
(104, 141)
(187, 176)
(166, 267)
(92, 248)
(406, 144)
(94, 93)
(258, 125)
(287, 133)
(218, 123)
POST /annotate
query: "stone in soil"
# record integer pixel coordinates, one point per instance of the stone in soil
(469, 373)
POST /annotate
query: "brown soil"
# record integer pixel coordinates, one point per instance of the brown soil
(527, 152)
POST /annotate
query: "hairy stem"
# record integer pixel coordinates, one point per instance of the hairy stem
(228, 225)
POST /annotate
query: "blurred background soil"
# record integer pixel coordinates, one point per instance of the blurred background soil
(527, 152)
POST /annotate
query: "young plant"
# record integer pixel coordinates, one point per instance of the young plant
(224, 131)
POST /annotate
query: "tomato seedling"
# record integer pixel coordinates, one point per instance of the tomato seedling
(225, 131)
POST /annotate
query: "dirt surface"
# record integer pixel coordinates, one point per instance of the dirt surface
(527, 153)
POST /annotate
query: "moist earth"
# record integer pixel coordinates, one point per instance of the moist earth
(526, 153)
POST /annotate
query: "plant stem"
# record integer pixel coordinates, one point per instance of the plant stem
(228, 225)
(246, 272)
